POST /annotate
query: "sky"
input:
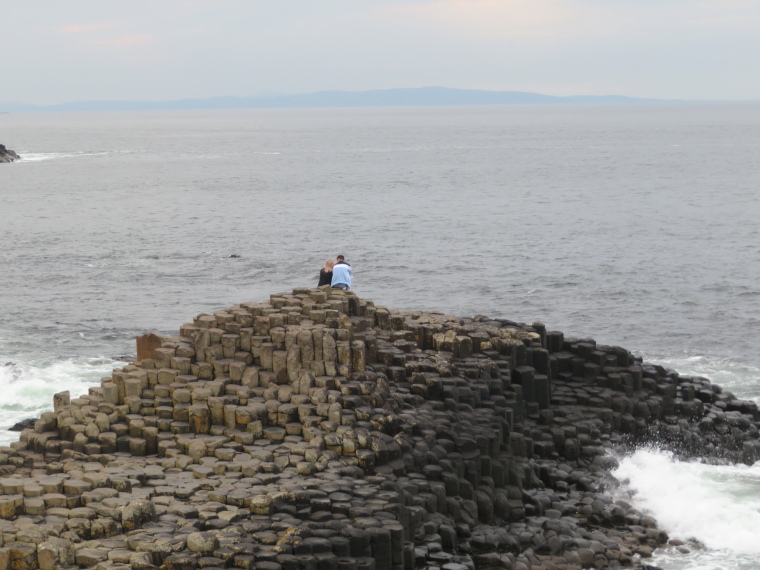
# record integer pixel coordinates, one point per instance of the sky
(58, 51)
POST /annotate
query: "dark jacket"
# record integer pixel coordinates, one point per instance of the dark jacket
(325, 277)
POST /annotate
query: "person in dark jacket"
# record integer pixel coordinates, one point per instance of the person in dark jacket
(325, 274)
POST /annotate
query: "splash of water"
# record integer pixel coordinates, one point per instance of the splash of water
(28, 387)
(717, 506)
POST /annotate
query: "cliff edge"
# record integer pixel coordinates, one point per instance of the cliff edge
(319, 431)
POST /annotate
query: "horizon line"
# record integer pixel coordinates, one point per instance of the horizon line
(435, 96)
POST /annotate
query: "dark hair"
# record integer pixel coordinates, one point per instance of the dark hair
(341, 258)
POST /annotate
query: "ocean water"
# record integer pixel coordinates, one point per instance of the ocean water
(632, 225)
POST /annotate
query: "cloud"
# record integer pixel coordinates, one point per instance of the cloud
(79, 29)
(125, 41)
(483, 20)
(493, 19)
(109, 35)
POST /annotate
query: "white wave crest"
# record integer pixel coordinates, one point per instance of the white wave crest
(28, 388)
(41, 156)
(717, 505)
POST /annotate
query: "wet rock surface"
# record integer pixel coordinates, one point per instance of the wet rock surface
(319, 431)
(23, 424)
(7, 155)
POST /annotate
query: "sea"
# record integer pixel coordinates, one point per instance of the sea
(634, 225)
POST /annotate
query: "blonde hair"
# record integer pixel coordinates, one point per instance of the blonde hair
(328, 265)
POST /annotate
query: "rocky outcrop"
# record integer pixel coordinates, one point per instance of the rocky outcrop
(7, 155)
(318, 430)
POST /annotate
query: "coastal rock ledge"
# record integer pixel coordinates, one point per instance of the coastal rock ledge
(7, 155)
(321, 432)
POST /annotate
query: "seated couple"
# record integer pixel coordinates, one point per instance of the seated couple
(337, 275)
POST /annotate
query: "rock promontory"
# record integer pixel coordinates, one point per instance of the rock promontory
(7, 155)
(319, 431)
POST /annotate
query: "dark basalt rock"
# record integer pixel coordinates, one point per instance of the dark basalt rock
(7, 155)
(318, 430)
(23, 424)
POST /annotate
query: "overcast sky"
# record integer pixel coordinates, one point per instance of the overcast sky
(57, 51)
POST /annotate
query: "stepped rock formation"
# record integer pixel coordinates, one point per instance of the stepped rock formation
(319, 431)
(7, 155)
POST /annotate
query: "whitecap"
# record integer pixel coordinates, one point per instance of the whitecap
(42, 156)
(719, 506)
(28, 388)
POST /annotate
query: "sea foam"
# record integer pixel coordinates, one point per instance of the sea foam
(27, 388)
(41, 156)
(717, 506)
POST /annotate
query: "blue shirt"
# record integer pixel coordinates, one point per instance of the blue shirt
(342, 274)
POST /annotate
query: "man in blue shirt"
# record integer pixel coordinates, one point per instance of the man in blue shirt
(342, 274)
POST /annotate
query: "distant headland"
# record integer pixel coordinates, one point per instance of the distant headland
(406, 97)
(319, 430)
(7, 155)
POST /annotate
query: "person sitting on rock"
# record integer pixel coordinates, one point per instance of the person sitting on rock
(325, 274)
(342, 274)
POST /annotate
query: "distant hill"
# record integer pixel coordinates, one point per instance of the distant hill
(412, 97)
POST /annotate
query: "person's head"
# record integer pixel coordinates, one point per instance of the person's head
(328, 265)
(341, 258)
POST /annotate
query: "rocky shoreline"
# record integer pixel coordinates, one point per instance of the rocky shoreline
(319, 431)
(7, 155)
